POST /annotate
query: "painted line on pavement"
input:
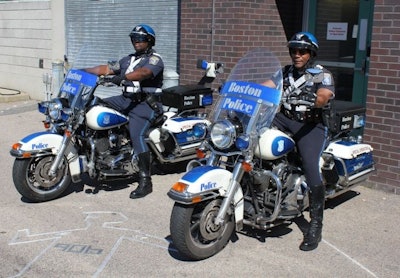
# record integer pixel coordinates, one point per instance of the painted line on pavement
(350, 258)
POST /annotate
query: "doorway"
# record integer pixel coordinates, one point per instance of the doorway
(343, 29)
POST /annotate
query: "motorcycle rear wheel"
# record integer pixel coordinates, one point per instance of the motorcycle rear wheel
(32, 181)
(194, 233)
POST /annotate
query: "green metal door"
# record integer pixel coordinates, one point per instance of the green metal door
(360, 81)
(343, 29)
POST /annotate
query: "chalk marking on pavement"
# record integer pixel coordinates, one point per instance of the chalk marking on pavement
(28, 265)
(350, 258)
(132, 238)
(109, 257)
(25, 236)
(25, 233)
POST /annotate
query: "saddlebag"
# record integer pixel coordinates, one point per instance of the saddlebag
(178, 132)
(184, 97)
(344, 116)
(350, 161)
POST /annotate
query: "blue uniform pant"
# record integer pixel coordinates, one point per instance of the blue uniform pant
(140, 114)
(311, 141)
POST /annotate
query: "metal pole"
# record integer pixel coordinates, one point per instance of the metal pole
(212, 30)
(58, 75)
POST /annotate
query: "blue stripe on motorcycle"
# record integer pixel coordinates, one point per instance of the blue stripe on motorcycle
(197, 172)
(33, 135)
(182, 119)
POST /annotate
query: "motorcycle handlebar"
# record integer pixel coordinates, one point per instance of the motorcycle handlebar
(105, 80)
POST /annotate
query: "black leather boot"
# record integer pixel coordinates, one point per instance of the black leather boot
(145, 186)
(314, 233)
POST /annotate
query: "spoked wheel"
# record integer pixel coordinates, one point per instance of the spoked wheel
(194, 232)
(32, 181)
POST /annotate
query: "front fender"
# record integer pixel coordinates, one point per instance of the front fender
(47, 143)
(207, 182)
(37, 144)
(206, 178)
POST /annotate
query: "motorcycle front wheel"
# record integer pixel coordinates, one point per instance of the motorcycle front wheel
(32, 181)
(194, 233)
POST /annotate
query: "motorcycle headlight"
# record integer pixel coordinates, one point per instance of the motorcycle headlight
(223, 134)
(55, 108)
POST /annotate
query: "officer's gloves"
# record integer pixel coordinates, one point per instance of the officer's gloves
(305, 99)
(117, 80)
(308, 97)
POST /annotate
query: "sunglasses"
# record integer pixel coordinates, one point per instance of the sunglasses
(302, 52)
(138, 38)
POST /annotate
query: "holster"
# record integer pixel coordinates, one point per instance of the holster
(153, 101)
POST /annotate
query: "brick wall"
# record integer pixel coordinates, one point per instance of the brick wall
(383, 100)
(239, 27)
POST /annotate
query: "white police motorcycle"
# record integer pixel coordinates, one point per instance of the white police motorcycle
(251, 170)
(84, 135)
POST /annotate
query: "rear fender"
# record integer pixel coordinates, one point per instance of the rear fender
(208, 182)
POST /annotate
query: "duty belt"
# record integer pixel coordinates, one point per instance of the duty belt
(139, 97)
(137, 94)
(310, 116)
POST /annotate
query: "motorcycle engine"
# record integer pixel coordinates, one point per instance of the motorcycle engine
(101, 144)
(265, 188)
(258, 186)
(108, 142)
(112, 148)
(263, 180)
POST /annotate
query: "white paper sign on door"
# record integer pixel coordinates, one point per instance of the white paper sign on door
(337, 31)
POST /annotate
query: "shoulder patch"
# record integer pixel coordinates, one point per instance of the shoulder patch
(327, 79)
(154, 60)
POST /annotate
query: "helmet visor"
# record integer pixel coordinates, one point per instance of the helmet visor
(138, 37)
(299, 44)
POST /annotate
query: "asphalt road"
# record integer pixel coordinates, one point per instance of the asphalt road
(100, 232)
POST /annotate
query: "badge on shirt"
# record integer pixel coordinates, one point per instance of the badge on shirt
(154, 60)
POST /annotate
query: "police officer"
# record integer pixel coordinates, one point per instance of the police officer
(146, 67)
(303, 102)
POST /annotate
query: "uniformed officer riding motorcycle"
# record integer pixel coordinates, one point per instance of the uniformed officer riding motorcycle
(144, 68)
(105, 138)
(252, 173)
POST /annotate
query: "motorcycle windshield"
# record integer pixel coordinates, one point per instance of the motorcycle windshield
(243, 97)
(77, 87)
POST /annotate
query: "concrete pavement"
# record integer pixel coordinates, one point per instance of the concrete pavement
(100, 232)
